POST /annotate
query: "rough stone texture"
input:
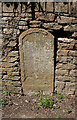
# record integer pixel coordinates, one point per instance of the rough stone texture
(38, 68)
(60, 19)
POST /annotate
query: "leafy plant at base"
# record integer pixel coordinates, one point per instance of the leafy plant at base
(60, 96)
(2, 102)
(68, 110)
(45, 102)
(57, 107)
(58, 116)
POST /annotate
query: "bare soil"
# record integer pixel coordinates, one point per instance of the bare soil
(26, 107)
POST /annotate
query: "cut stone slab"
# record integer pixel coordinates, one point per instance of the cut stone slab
(36, 58)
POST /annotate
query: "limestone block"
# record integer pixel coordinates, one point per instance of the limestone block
(74, 34)
(16, 84)
(10, 70)
(12, 59)
(65, 40)
(73, 73)
(72, 53)
(74, 9)
(7, 9)
(70, 85)
(75, 60)
(13, 89)
(7, 65)
(63, 78)
(13, 78)
(71, 28)
(12, 43)
(66, 46)
(49, 7)
(12, 73)
(61, 7)
(23, 27)
(52, 26)
(22, 23)
(8, 30)
(61, 72)
(59, 85)
(13, 53)
(8, 14)
(64, 19)
(70, 88)
(63, 59)
(63, 52)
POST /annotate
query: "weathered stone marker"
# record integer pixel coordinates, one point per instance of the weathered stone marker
(37, 60)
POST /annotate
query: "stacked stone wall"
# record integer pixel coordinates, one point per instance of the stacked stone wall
(60, 19)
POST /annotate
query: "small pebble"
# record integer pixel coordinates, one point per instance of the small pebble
(26, 101)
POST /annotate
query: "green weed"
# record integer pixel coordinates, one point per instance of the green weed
(56, 107)
(68, 110)
(59, 96)
(58, 116)
(2, 102)
(45, 102)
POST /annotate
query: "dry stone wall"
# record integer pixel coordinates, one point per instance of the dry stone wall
(60, 19)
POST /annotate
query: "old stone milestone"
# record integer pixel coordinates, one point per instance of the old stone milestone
(37, 60)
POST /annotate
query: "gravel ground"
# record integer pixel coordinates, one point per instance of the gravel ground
(26, 107)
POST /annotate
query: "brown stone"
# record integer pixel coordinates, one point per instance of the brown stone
(63, 59)
(64, 19)
(7, 65)
(75, 60)
(61, 7)
(73, 73)
(70, 87)
(49, 7)
(71, 28)
(12, 43)
(35, 23)
(52, 26)
(14, 78)
(13, 53)
(21, 23)
(65, 40)
(23, 27)
(63, 52)
(59, 85)
(63, 78)
(65, 46)
(72, 53)
(74, 34)
(61, 72)
(12, 59)
(7, 9)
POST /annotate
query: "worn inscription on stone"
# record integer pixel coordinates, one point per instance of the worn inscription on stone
(37, 62)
